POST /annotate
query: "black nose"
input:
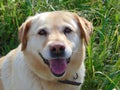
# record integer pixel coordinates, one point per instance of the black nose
(57, 50)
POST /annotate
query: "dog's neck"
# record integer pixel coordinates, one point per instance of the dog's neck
(70, 82)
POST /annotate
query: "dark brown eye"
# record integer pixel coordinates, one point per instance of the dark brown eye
(42, 32)
(67, 30)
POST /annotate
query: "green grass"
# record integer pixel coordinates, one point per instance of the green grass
(103, 52)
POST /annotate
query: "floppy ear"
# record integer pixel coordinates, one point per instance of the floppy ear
(86, 28)
(23, 30)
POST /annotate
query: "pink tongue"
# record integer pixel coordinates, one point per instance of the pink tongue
(58, 66)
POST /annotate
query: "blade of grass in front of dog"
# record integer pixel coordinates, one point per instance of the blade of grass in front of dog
(113, 83)
(115, 76)
(116, 80)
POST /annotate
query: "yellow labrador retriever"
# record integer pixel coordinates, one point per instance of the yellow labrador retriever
(51, 54)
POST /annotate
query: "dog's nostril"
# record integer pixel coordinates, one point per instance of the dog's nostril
(62, 48)
(53, 49)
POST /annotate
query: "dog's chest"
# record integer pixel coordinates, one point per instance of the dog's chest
(34, 84)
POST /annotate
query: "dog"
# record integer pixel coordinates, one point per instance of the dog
(50, 55)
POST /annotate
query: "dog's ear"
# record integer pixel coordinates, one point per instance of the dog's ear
(23, 30)
(86, 28)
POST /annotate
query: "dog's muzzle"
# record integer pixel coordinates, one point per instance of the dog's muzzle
(58, 62)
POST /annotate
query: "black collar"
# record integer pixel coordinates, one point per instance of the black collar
(69, 82)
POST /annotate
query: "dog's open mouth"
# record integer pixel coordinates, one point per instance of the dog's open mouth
(57, 66)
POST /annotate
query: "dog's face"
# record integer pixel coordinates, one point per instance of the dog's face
(53, 43)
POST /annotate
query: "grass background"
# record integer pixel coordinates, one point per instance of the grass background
(103, 52)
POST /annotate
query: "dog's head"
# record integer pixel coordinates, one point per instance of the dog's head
(53, 43)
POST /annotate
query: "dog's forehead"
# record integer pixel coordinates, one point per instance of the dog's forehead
(56, 18)
(56, 15)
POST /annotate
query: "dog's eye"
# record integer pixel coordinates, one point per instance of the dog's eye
(42, 32)
(67, 30)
